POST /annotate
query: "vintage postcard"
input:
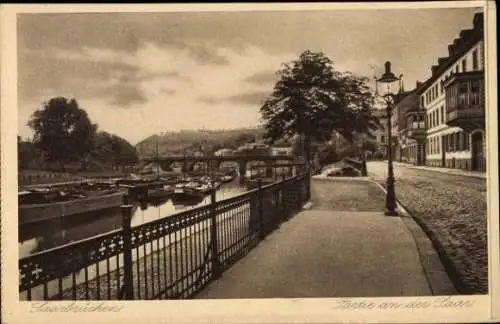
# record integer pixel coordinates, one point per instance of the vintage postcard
(257, 163)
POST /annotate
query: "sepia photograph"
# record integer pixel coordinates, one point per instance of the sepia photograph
(252, 155)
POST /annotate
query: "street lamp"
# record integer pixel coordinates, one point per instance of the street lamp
(389, 81)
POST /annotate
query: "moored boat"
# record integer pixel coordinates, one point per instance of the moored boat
(32, 210)
(159, 193)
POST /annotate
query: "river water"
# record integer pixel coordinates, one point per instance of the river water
(45, 235)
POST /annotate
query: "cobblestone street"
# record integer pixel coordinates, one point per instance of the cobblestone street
(453, 208)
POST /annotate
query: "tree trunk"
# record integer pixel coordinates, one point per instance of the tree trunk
(307, 149)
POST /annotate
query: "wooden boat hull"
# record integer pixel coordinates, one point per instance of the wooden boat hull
(41, 212)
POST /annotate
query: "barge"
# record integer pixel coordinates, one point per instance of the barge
(32, 213)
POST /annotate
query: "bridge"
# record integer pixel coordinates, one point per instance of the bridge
(215, 161)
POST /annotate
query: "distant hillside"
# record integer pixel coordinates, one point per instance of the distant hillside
(192, 140)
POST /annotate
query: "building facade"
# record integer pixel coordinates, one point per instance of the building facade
(446, 126)
(407, 146)
(381, 132)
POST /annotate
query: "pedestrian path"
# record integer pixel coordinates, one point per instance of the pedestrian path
(333, 252)
(328, 254)
(466, 173)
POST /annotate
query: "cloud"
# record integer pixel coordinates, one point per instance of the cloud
(167, 91)
(208, 100)
(253, 98)
(125, 95)
(206, 55)
(263, 77)
(153, 88)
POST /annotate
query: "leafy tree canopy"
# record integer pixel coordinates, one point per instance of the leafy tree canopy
(313, 100)
(62, 130)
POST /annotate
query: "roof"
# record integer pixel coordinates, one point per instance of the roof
(466, 40)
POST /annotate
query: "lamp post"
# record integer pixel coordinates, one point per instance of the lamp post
(388, 80)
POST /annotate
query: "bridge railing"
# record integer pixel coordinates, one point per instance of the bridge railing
(170, 258)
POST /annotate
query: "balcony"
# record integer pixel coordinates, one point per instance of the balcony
(416, 133)
(415, 121)
(466, 118)
(465, 100)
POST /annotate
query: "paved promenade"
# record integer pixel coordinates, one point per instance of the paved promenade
(335, 249)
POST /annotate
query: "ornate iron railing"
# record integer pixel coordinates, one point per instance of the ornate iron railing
(169, 258)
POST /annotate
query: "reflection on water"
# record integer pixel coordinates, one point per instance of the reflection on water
(49, 234)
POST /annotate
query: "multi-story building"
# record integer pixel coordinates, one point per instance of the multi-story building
(449, 122)
(381, 132)
(406, 147)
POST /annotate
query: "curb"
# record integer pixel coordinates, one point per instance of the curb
(409, 166)
(308, 205)
(433, 259)
(341, 178)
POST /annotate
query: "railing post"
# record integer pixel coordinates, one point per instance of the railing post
(262, 232)
(216, 267)
(128, 290)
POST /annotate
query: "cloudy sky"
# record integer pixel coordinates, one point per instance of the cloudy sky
(137, 74)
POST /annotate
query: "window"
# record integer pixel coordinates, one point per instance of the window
(438, 148)
(442, 114)
(475, 65)
(456, 69)
(474, 93)
(464, 65)
(462, 94)
(382, 139)
(422, 104)
(442, 87)
(437, 117)
(466, 141)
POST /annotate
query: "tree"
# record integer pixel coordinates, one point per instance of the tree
(123, 152)
(114, 150)
(311, 100)
(63, 131)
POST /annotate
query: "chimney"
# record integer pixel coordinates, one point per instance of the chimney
(451, 50)
(418, 84)
(466, 33)
(434, 69)
(441, 60)
(478, 21)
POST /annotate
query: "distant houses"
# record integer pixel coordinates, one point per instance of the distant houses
(224, 152)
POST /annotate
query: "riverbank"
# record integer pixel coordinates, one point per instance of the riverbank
(41, 177)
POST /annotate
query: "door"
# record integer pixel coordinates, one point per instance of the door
(443, 151)
(477, 152)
